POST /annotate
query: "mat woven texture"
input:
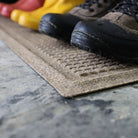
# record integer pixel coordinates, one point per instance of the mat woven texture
(70, 70)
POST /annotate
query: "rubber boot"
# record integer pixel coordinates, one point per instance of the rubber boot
(32, 19)
(6, 9)
(16, 13)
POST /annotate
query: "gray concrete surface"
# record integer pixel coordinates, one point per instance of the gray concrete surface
(31, 108)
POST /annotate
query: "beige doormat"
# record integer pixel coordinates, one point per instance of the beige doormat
(70, 70)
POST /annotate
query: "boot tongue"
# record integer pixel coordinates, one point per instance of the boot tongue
(93, 9)
(129, 7)
(125, 15)
(98, 3)
(89, 3)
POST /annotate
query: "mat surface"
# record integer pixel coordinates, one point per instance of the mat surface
(70, 70)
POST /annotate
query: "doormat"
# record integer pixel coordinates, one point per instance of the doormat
(70, 70)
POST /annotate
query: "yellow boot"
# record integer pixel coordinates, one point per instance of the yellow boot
(32, 19)
(16, 13)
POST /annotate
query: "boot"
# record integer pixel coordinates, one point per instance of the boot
(116, 33)
(32, 19)
(61, 25)
(26, 5)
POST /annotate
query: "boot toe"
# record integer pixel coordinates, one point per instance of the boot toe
(15, 15)
(105, 36)
(29, 21)
(6, 10)
(58, 25)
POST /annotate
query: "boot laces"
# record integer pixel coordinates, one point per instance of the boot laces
(129, 7)
(89, 3)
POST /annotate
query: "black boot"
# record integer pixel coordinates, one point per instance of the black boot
(116, 33)
(62, 25)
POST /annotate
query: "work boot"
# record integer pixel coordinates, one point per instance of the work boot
(116, 33)
(61, 25)
(8, 1)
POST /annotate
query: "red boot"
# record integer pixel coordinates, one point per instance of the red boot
(25, 5)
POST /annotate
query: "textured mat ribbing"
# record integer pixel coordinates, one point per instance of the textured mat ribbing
(70, 70)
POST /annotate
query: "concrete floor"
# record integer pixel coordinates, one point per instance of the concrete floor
(31, 108)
